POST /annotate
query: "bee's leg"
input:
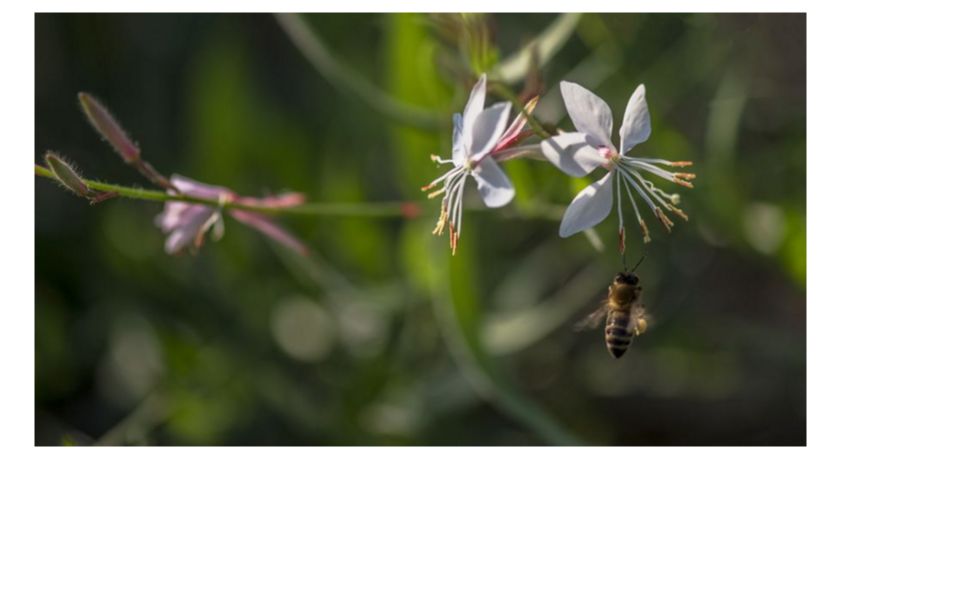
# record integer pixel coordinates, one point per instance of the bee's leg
(640, 327)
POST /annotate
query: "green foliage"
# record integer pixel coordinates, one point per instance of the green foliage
(381, 337)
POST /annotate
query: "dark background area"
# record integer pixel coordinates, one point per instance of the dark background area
(380, 337)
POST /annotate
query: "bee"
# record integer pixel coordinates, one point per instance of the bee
(625, 314)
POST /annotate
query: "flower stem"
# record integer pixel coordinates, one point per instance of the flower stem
(391, 209)
(382, 209)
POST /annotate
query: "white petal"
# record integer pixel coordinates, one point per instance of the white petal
(474, 106)
(458, 156)
(590, 114)
(177, 240)
(589, 207)
(636, 127)
(494, 186)
(487, 130)
(572, 153)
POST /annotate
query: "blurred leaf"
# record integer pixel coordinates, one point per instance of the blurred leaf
(456, 301)
(412, 78)
(343, 78)
(514, 68)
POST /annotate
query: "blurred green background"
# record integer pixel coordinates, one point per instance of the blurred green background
(381, 337)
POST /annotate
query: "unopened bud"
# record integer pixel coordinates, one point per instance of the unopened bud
(531, 105)
(109, 128)
(67, 175)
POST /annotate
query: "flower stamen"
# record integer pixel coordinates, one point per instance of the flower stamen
(668, 224)
(637, 212)
(661, 196)
(442, 219)
(644, 231)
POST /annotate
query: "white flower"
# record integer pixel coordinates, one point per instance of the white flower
(578, 153)
(477, 133)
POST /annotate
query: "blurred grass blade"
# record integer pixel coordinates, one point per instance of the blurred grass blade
(512, 331)
(341, 76)
(456, 304)
(547, 44)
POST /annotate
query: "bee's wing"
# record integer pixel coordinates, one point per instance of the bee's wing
(592, 320)
(639, 318)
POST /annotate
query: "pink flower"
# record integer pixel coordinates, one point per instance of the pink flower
(186, 224)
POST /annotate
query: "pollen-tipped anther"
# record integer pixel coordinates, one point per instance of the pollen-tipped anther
(441, 223)
(668, 224)
(453, 238)
(644, 231)
(678, 212)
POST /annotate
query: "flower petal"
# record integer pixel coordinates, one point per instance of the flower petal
(201, 190)
(270, 229)
(636, 127)
(590, 114)
(184, 223)
(589, 207)
(572, 153)
(178, 214)
(487, 130)
(495, 188)
(177, 241)
(474, 106)
(170, 216)
(458, 156)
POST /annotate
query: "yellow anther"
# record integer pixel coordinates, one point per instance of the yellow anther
(644, 231)
(668, 224)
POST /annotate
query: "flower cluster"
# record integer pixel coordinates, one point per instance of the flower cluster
(483, 137)
(185, 223)
(481, 140)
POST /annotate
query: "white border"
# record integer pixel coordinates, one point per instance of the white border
(871, 510)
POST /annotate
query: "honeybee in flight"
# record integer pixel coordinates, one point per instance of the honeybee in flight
(625, 314)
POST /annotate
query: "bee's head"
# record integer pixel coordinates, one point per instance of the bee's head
(626, 278)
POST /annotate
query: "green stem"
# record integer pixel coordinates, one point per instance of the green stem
(389, 209)
(382, 209)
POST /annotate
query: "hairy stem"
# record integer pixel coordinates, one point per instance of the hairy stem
(389, 209)
(382, 209)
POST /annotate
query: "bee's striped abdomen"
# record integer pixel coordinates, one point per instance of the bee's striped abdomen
(617, 333)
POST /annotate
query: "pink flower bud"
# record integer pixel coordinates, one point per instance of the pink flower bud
(109, 128)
